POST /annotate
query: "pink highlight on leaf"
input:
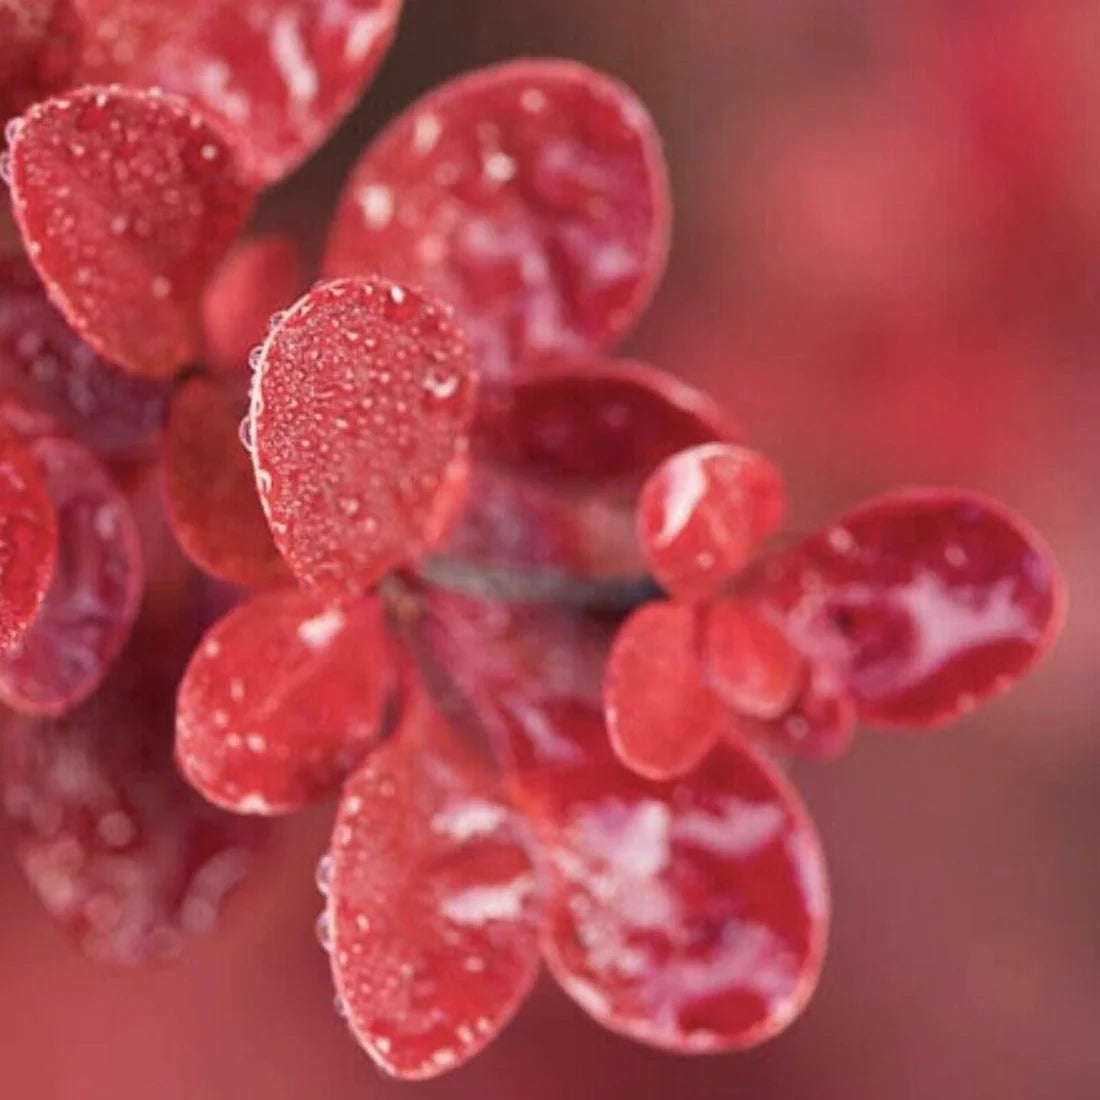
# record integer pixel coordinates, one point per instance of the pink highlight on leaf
(662, 715)
(126, 201)
(532, 196)
(281, 700)
(361, 399)
(433, 902)
(690, 915)
(703, 513)
(925, 602)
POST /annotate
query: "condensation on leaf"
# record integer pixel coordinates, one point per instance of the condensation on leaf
(432, 902)
(532, 196)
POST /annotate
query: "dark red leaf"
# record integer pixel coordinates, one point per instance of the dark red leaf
(662, 715)
(257, 278)
(28, 538)
(601, 420)
(281, 700)
(692, 915)
(513, 521)
(924, 603)
(703, 513)
(360, 402)
(117, 847)
(532, 196)
(210, 490)
(275, 77)
(93, 598)
(432, 902)
(126, 201)
(749, 661)
(43, 360)
(560, 459)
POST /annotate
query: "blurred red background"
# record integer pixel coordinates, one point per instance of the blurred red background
(887, 264)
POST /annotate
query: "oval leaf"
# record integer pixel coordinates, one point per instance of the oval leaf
(703, 513)
(281, 700)
(361, 400)
(432, 903)
(210, 490)
(749, 661)
(126, 201)
(662, 715)
(532, 196)
(690, 915)
(925, 602)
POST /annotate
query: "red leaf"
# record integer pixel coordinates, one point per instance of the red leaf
(257, 278)
(517, 664)
(93, 599)
(703, 513)
(513, 521)
(117, 847)
(281, 700)
(210, 490)
(28, 538)
(820, 724)
(276, 78)
(748, 661)
(43, 360)
(532, 196)
(925, 602)
(360, 402)
(601, 420)
(662, 716)
(691, 916)
(126, 201)
(432, 902)
(41, 42)
(561, 457)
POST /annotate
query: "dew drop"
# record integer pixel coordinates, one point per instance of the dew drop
(323, 877)
(12, 129)
(244, 433)
(323, 930)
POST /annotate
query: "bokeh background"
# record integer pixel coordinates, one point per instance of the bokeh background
(887, 264)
